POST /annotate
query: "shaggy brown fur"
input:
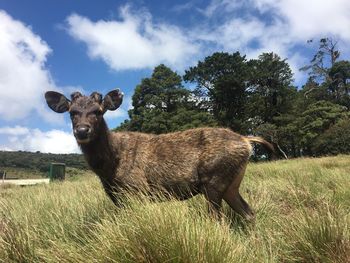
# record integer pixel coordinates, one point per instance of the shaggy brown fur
(210, 161)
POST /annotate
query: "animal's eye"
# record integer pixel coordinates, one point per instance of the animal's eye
(74, 114)
(97, 112)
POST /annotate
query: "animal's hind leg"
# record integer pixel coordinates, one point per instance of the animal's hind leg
(238, 204)
(236, 201)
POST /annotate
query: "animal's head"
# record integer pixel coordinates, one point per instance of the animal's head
(86, 112)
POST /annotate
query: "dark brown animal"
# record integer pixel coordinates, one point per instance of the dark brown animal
(210, 161)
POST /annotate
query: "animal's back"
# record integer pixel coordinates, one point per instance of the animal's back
(186, 157)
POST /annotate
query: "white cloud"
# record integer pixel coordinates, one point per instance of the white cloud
(281, 26)
(53, 141)
(307, 19)
(17, 130)
(183, 7)
(235, 34)
(134, 42)
(23, 76)
(216, 6)
(120, 113)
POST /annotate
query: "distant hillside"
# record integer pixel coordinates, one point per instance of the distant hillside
(40, 161)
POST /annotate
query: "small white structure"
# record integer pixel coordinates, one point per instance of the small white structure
(23, 182)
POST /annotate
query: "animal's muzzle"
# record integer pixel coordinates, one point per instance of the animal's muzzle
(82, 132)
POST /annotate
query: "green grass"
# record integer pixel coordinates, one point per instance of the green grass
(302, 206)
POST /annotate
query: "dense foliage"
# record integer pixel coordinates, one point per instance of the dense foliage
(252, 97)
(40, 161)
(161, 104)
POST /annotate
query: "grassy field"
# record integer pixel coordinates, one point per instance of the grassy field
(22, 173)
(302, 206)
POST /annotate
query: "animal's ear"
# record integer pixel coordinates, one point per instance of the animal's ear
(57, 102)
(112, 100)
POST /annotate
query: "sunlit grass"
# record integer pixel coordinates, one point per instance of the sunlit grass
(302, 208)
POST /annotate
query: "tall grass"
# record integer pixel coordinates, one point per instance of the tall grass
(302, 206)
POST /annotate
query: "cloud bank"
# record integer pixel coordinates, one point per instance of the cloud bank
(23, 76)
(133, 42)
(53, 141)
(252, 27)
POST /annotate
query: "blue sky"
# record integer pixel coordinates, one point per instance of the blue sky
(100, 45)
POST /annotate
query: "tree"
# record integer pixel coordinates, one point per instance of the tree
(323, 60)
(315, 120)
(335, 140)
(332, 76)
(272, 133)
(339, 82)
(161, 104)
(222, 78)
(313, 91)
(271, 92)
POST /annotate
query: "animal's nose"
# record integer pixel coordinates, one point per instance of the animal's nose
(82, 132)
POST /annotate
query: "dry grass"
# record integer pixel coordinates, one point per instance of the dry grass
(302, 207)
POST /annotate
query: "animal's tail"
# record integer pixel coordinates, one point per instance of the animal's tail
(264, 143)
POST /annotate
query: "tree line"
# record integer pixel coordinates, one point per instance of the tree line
(40, 161)
(252, 97)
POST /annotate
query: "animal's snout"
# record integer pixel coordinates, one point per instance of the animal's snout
(82, 132)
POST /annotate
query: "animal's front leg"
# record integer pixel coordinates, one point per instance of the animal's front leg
(112, 192)
(214, 199)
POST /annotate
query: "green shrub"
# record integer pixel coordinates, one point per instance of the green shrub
(335, 140)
